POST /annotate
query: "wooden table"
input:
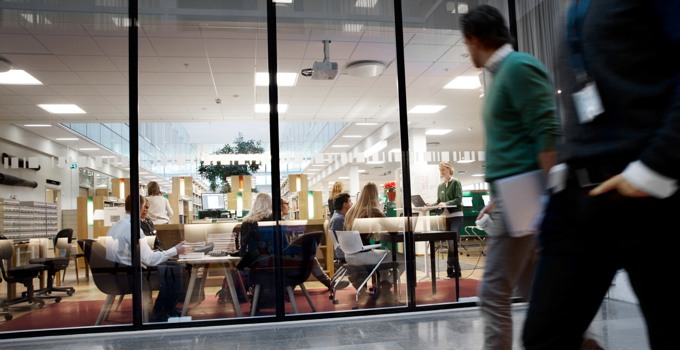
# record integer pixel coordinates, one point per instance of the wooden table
(227, 262)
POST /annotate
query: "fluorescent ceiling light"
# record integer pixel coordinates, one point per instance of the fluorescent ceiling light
(283, 1)
(464, 82)
(437, 132)
(67, 139)
(31, 18)
(352, 136)
(375, 148)
(477, 175)
(89, 149)
(282, 79)
(339, 146)
(108, 157)
(318, 165)
(37, 125)
(427, 109)
(365, 3)
(464, 161)
(62, 108)
(362, 171)
(366, 124)
(264, 108)
(352, 27)
(18, 77)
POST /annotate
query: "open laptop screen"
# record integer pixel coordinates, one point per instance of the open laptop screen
(417, 200)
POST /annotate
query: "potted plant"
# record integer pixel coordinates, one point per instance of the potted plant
(390, 190)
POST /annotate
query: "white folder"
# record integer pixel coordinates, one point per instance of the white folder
(523, 197)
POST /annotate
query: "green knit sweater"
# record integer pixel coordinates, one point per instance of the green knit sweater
(519, 116)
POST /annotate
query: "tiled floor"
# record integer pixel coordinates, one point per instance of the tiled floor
(618, 326)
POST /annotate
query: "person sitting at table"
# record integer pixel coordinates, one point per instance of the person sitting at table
(450, 195)
(368, 206)
(317, 270)
(148, 227)
(119, 251)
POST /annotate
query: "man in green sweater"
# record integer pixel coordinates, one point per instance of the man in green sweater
(521, 136)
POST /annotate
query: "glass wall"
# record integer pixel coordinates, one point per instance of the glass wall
(351, 117)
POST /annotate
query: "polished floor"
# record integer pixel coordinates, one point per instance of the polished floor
(618, 325)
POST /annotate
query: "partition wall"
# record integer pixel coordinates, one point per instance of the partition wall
(239, 98)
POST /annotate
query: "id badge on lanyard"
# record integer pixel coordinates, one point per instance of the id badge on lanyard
(587, 100)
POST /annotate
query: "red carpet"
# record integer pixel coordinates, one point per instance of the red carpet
(84, 313)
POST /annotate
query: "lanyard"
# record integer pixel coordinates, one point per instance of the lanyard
(576, 15)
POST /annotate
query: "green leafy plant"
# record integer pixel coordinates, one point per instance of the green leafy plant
(218, 173)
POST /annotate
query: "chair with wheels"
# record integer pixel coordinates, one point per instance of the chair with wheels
(6, 314)
(298, 260)
(56, 264)
(24, 274)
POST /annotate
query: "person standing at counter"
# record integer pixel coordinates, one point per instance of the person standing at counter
(450, 195)
(336, 190)
(160, 211)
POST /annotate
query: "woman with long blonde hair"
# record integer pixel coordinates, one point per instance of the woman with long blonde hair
(367, 206)
(251, 243)
(336, 190)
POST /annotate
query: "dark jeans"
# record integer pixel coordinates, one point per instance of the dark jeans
(169, 288)
(584, 242)
(453, 224)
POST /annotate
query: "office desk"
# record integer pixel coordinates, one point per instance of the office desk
(432, 237)
(227, 263)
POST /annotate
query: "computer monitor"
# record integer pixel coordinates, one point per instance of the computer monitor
(486, 198)
(211, 201)
(467, 201)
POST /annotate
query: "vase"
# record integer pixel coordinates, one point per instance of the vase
(391, 195)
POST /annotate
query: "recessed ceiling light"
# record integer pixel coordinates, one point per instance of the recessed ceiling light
(62, 108)
(89, 149)
(426, 109)
(318, 164)
(37, 125)
(464, 161)
(283, 1)
(339, 146)
(352, 136)
(18, 77)
(366, 124)
(282, 79)
(477, 175)
(464, 82)
(437, 132)
(66, 139)
(365, 3)
(264, 108)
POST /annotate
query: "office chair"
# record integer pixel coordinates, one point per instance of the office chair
(7, 314)
(77, 253)
(298, 260)
(112, 279)
(56, 264)
(20, 274)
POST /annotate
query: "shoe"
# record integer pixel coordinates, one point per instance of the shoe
(341, 285)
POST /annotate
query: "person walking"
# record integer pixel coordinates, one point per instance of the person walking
(619, 71)
(521, 132)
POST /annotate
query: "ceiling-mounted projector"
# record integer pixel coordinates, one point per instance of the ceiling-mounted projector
(325, 70)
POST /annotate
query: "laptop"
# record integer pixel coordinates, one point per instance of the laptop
(418, 201)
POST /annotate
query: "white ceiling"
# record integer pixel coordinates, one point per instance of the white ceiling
(188, 58)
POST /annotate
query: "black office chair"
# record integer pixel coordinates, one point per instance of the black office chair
(7, 314)
(56, 264)
(20, 274)
(298, 260)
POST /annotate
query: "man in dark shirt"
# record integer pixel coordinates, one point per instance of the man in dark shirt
(619, 73)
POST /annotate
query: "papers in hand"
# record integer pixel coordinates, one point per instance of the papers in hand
(523, 197)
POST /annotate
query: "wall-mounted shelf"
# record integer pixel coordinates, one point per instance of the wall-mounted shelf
(27, 219)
